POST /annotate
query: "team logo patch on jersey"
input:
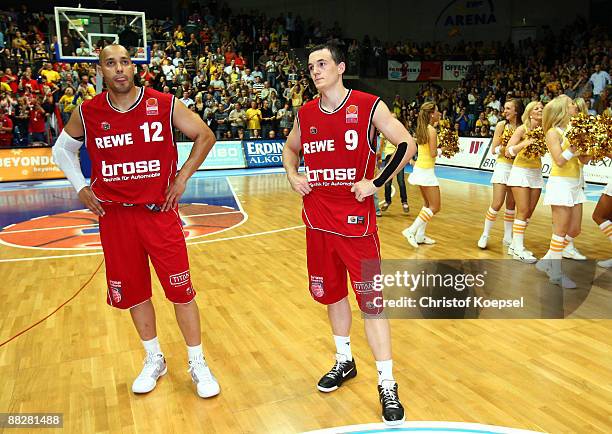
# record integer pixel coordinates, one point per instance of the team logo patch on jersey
(115, 290)
(152, 106)
(355, 220)
(352, 115)
(105, 126)
(313, 130)
(316, 286)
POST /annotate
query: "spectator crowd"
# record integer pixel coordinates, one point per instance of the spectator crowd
(240, 73)
(575, 61)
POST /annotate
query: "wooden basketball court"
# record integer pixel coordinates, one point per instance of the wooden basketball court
(268, 343)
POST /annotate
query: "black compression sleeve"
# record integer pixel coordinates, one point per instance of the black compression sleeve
(398, 156)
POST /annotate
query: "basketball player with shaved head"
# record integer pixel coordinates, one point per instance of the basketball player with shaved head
(134, 190)
(336, 134)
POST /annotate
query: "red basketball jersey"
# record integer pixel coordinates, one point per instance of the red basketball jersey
(132, 152)
(339, 151)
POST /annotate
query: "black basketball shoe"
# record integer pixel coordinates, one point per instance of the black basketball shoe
(392, 409)
(343, 370)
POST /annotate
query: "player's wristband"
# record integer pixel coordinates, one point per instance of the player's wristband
(497, 151)
(511, 151)
(567, 154)
(390, 168)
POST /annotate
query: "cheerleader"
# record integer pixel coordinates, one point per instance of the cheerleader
(602, 215)
(564, 188)
(513, 111)
(525, 180)
(424, 176)
(570, 251)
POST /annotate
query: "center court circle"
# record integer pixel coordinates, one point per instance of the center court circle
(424, 427)
(78, 229)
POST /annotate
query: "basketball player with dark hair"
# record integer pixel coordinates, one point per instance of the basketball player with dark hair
(134, 190)
(336, 134)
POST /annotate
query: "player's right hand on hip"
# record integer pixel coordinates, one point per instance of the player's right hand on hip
(299, 183)
(87, 197)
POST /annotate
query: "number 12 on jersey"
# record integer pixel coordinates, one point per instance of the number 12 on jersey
(156, 128)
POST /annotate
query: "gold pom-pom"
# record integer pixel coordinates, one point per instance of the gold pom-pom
(448, 140)
(603, 138)
(591, 135)
(444, 123)
(537, 148)
(504, 139)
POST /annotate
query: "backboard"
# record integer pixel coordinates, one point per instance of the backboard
(82, 33)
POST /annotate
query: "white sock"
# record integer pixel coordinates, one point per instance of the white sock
(385, 370)
(420, 234)
(490, 218)
(606, 228)
(343, 346)
(518, 235)
(152, 346)
(423, 218)
(569, 242)
(557, 243)
(195, 352)
(508, 222)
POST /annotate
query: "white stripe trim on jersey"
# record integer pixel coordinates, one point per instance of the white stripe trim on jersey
(171, 120)
(363, 177)
(369, 132)
(173, 143)
(337, 108)
(367, 225)
(132, 107)
(94, 194)
(92, 180)
(83, 123)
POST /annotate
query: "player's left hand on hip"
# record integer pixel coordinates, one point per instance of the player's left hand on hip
(173, 194)
(363, 189)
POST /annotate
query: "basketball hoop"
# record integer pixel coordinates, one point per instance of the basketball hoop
(96, 28)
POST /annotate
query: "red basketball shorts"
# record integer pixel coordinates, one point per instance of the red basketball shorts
(131, 235)
(330, 256)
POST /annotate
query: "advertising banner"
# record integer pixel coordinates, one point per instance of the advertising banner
(28, 164)
(264, 153)
(414, 70)
(457, 70)
(224, 155)
(471, 154)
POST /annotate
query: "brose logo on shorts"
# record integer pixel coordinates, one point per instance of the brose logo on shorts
(179, 279)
